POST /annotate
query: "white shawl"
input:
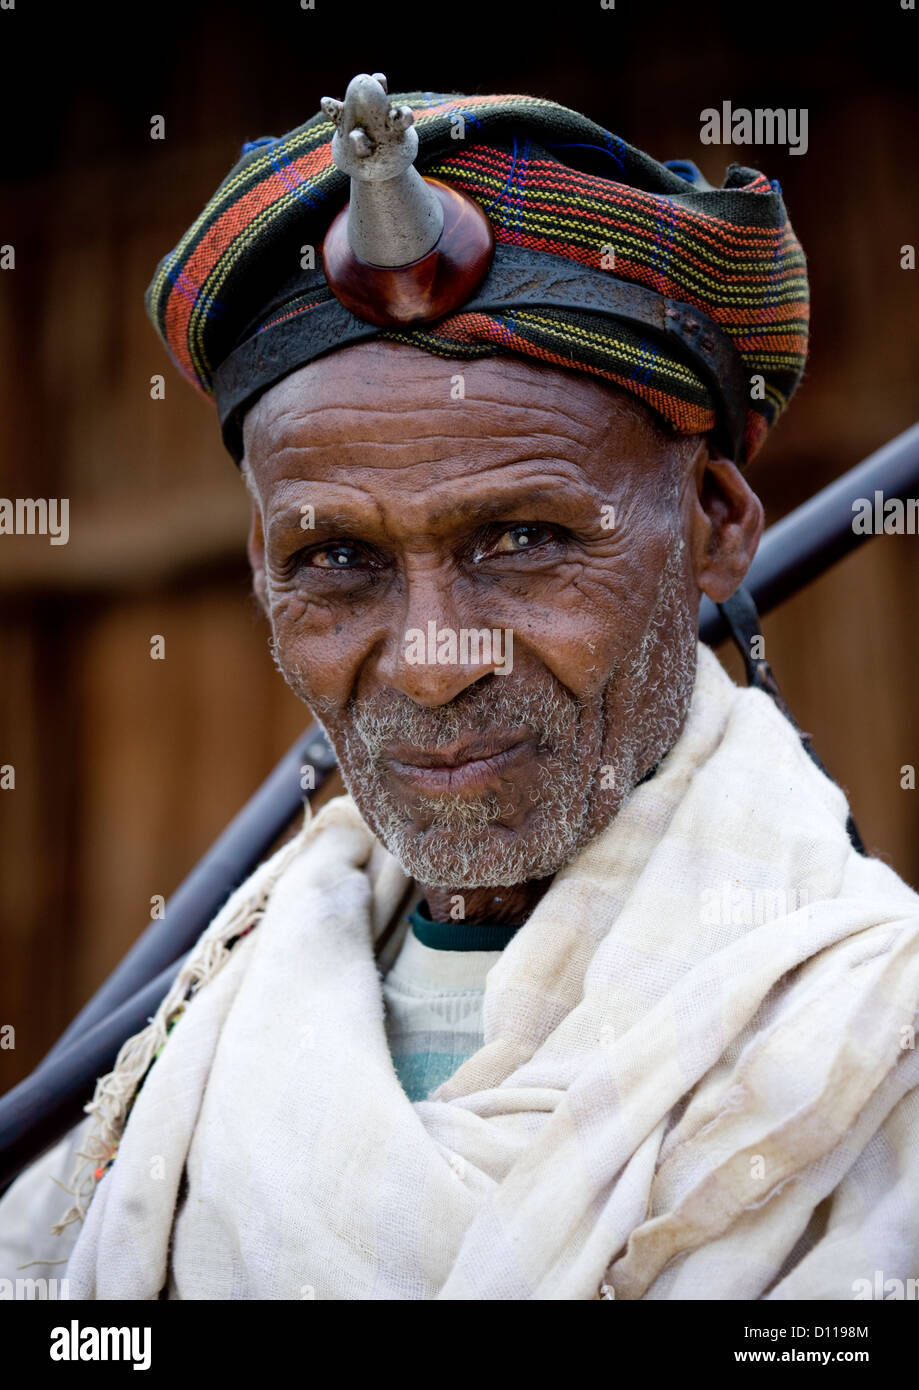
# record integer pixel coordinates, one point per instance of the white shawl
(680, 1094)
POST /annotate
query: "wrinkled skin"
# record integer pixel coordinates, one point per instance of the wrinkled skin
(487, 512)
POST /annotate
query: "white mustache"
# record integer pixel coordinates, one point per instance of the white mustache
(547, 713)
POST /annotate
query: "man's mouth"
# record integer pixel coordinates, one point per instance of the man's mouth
(470, 766)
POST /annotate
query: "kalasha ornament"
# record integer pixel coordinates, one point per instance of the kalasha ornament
(406, 249)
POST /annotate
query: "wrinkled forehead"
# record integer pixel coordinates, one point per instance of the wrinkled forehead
(391, 407)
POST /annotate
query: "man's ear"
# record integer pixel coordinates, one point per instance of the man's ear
(726, 524)
(255, 548)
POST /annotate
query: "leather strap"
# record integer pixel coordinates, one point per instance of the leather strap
(518, 279)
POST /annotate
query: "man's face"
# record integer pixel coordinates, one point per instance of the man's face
(539, 507)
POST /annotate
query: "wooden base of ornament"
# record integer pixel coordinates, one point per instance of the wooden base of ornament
(426, 289)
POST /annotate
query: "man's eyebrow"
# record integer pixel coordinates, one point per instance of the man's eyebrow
(287, 518)
(518, 501)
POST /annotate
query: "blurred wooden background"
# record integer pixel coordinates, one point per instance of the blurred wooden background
(126, 768)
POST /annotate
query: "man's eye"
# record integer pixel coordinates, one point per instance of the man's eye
(334, 557)
(517, 539)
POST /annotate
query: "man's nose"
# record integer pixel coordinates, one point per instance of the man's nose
(437, 645)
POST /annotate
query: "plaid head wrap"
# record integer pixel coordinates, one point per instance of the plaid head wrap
(707, 325)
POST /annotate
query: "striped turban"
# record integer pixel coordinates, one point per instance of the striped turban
(718, 337)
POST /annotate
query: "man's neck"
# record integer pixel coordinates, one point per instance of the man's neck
(500, 907)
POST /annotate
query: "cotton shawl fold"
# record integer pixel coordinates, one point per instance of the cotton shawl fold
(673, 1100)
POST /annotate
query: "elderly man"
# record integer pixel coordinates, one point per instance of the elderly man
(582, 991)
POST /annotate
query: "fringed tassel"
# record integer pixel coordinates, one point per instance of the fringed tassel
(115, 1092)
